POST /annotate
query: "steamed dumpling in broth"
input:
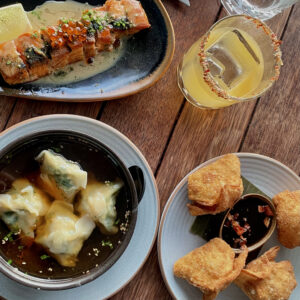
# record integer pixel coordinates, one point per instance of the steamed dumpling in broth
(22, 207)
(63, 233)
(61, 178)
(98, 200)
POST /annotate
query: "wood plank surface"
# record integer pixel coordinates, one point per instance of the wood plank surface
(275, 127)
(6, 106)
(26, 109)
(148, 117)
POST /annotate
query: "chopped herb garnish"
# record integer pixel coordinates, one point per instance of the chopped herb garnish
(107, 243)
(60, 73)
(56, 149)
(9, 62)
(20, 247)
(36, 13)
(117, 221)
(9, 237)
(9, 261)
(64, 20)
(44, 256)
(121, 24)
(34, 35)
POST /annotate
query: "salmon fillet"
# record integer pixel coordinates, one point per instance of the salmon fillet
(35, 55)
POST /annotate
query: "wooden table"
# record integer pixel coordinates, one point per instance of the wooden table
(175, 137)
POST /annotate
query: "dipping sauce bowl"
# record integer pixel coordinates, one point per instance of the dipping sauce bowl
(249, 223)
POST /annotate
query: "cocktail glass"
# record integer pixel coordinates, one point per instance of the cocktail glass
(261, 9)
(237, 60)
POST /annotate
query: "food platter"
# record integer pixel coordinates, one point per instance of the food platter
(147, 221)
(175, 239)
(145, 59)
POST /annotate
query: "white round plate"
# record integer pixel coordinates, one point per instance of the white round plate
(175, 239)
(145, 231)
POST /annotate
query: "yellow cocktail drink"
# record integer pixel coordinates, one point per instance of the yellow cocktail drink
(227, 67)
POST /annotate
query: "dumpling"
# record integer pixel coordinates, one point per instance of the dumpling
(61, 178)
(265, 279)
(287, 206)
(215, 187)
(211, 268)
(63, 233)
(22, 207)
(98, 200)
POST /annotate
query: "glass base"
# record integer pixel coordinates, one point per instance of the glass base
(185, 93)
(233, 8)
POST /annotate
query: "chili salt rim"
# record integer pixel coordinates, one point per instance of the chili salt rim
(208, 78)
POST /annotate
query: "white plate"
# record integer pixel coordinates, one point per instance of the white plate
(145, 231)
(175, 239)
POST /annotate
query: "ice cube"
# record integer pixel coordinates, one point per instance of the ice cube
(227, 58)
(222, 65)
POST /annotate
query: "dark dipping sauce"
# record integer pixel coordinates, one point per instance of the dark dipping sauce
(247, 222)
(99, 250)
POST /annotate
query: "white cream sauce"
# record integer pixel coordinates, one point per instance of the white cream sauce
(48, 14)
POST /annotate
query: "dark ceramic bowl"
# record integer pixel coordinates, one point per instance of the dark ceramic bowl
(17, 159)
(147, 56)
(262, 239)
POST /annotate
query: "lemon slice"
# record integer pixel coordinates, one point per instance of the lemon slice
(13, 22)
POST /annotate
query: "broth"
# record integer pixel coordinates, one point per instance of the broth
(99, 163)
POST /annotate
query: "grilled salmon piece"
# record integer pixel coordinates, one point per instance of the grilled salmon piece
(105, 40)
(102, 30)
(89, 48)
(39, 54)
(58, 55)
(32, 50)
(12, 67)
(115, 9)
(76, 53)
(136, 16)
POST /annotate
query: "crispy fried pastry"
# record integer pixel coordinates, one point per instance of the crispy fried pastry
(211, 268)
(287, 206)
(215, 187)
(265, 279)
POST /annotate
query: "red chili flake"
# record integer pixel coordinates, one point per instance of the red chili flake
(238, 229)
(268, 211)
(267, 221)
(261, 208)
(230, 217)
(247, 226)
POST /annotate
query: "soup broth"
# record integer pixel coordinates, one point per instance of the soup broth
(100, 164)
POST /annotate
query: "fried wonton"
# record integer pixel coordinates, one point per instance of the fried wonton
(287, 206)
(265, 279)
(215, 187)
(211, 268)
